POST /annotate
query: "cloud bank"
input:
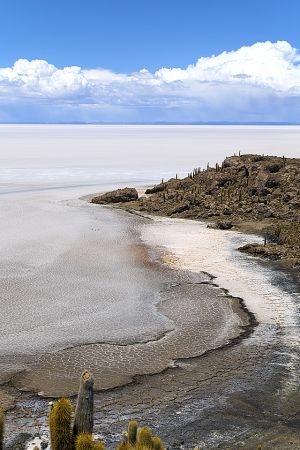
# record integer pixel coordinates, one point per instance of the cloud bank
(255, 83)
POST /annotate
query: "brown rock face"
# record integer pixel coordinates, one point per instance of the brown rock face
(117, 196)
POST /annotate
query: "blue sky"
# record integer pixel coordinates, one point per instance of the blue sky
(110, 41)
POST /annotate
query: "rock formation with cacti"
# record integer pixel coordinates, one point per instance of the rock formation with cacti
(254, 193)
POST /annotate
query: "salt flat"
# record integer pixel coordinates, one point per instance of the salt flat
(84, 286)
(69, 276)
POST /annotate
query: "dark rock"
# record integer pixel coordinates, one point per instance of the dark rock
(227, 211)
(273, 168)
(18, 442)
(181, 208)
(223, 225)
(117, 196)
(264, 192)
(271, 251)
(226, 181)
(253, 191)
(258, 158)
(287, 197)
(157, 188)
(272, 183)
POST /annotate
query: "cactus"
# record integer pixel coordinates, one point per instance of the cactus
(2, 422)
(99, 446)
(84, 441)
(144, 439)
(157, 444)
(84, 413)
(60, 424)
(123, 445)
(132, 432)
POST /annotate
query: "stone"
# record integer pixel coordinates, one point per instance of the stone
(117, 196)
(223, 225)
(18, 442)
(181, 208)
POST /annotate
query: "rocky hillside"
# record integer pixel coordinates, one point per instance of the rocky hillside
(248, 192)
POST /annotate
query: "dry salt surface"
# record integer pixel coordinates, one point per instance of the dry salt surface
(197, 248)
(190, 245)
(79, 281)
(76, 293)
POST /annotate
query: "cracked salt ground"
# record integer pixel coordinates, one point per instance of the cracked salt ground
(99, 288)
(206, 319)
(237, 392)
(198, 248)
(267, 293)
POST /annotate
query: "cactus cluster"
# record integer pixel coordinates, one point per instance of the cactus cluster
(85, 441)
(139, 439)
(79, 437)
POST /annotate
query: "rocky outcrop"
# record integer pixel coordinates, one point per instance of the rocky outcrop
(117, 196)
(252, 186)
(263, 191)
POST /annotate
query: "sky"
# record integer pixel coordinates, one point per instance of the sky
(149, 61)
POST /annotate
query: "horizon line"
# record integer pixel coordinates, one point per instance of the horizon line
(271, 123)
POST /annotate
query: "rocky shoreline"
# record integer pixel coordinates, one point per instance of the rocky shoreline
(250, 193)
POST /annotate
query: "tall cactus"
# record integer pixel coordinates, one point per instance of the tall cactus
(84, 413)
(2, 423)
(60, 424)
(132, 432)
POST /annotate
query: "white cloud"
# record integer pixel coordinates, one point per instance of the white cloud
(258, 82)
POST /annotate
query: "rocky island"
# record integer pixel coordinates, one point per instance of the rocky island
(250, 193)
